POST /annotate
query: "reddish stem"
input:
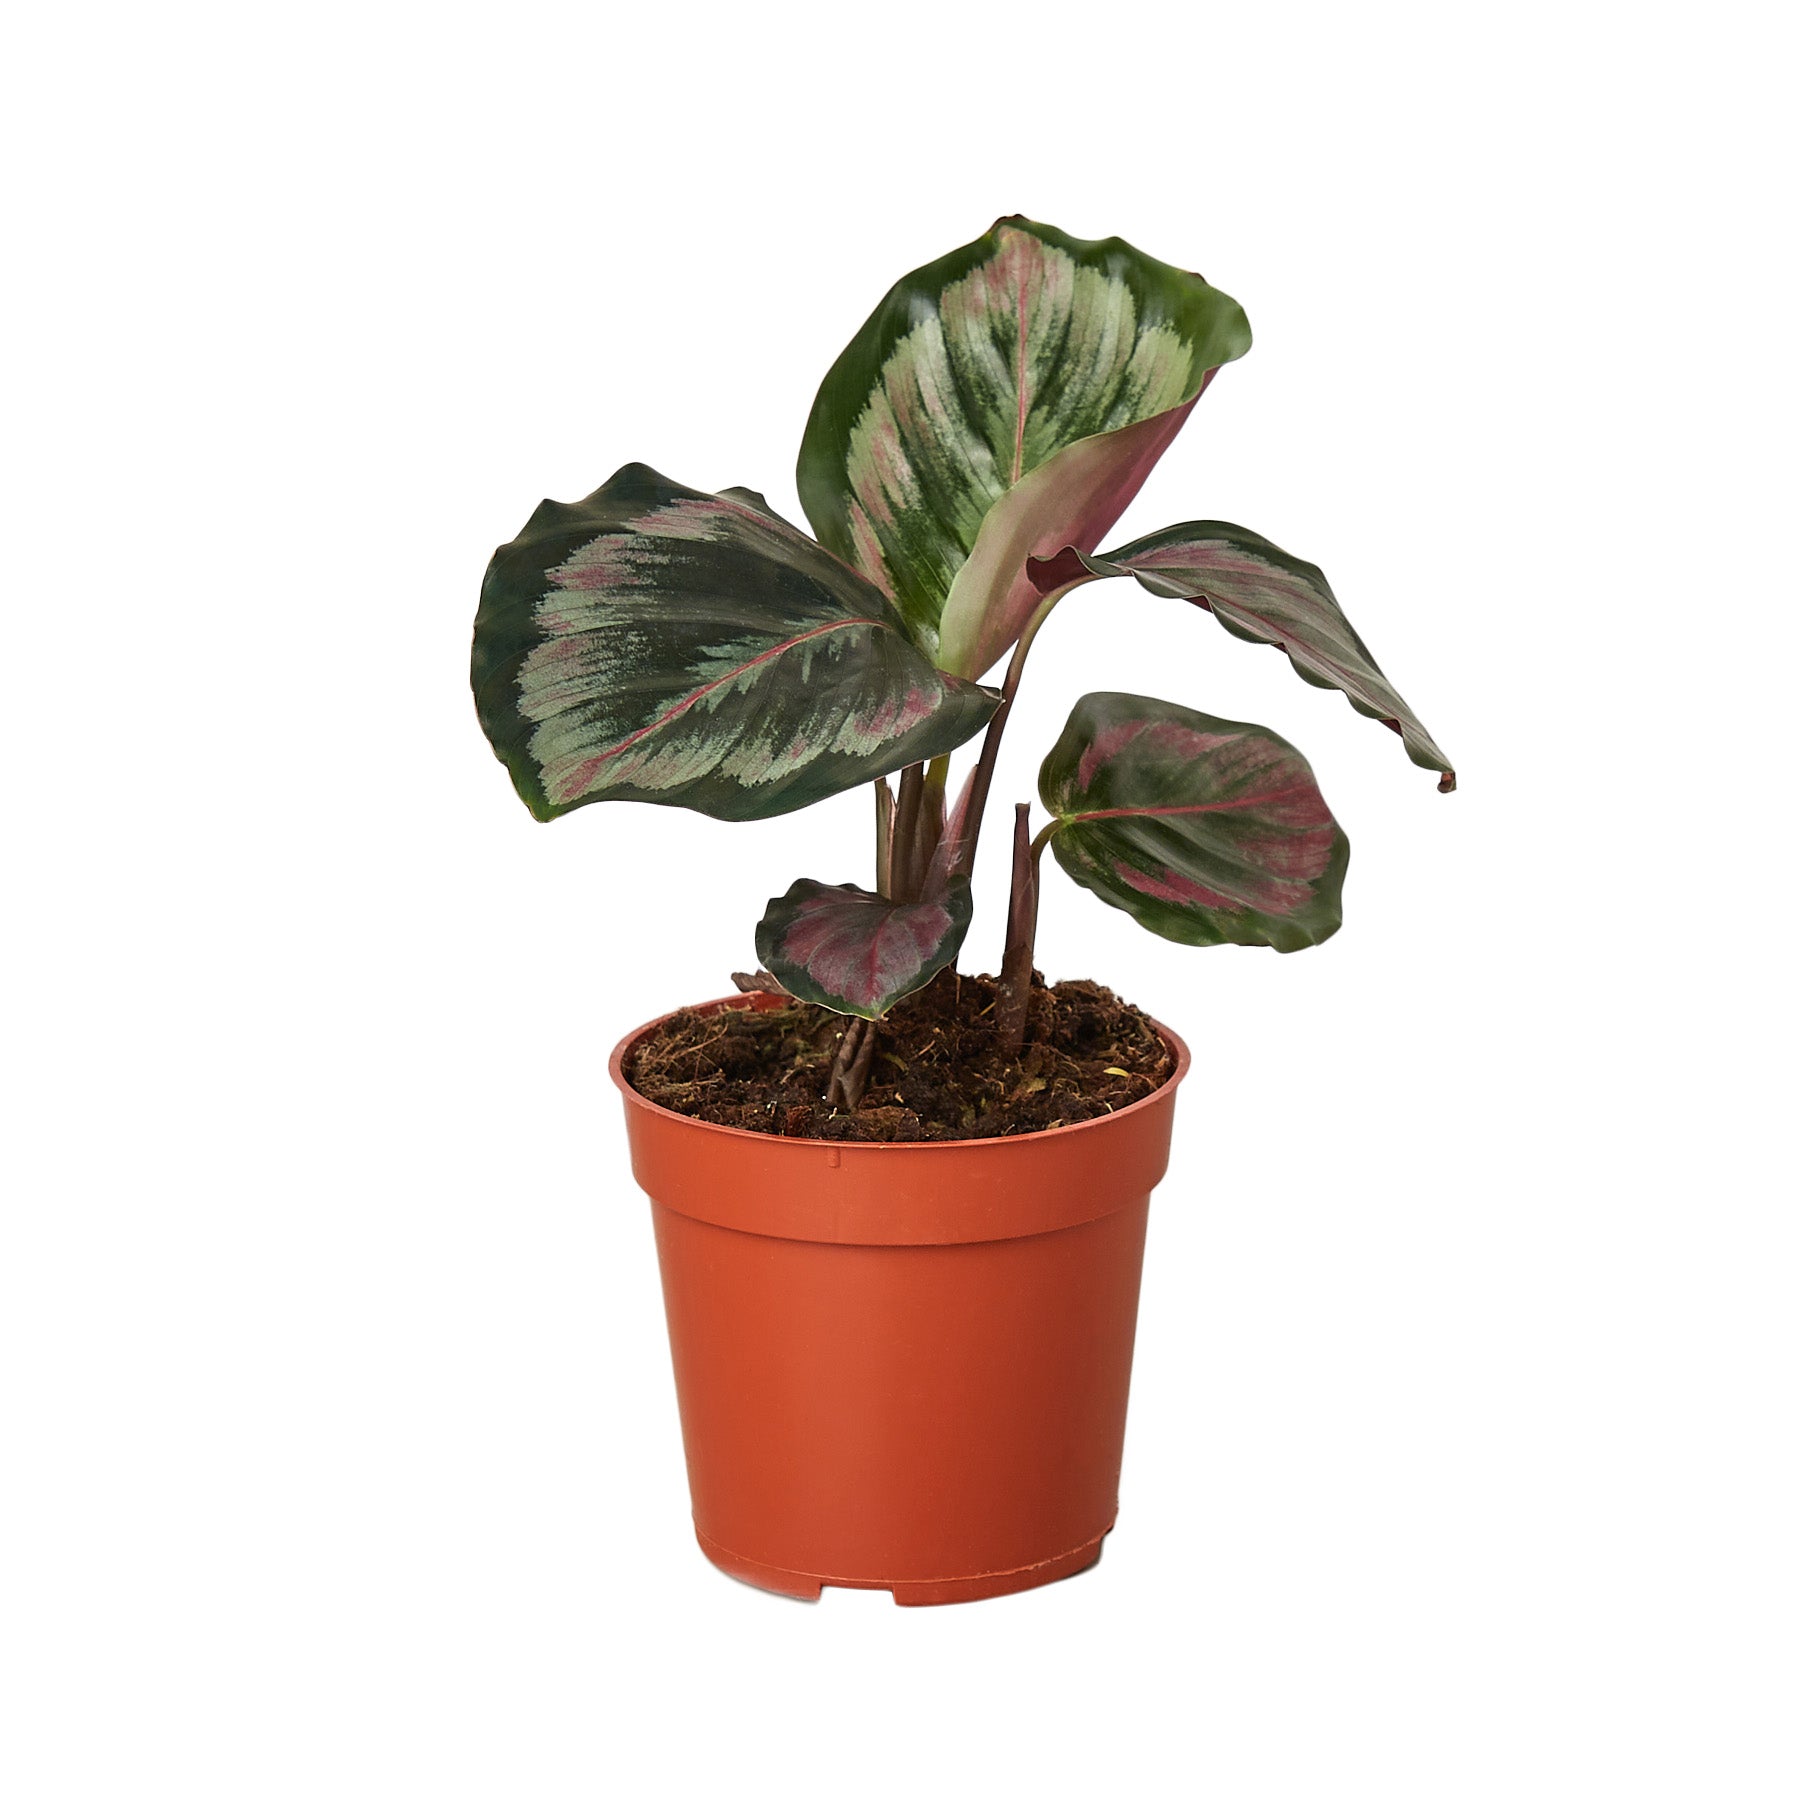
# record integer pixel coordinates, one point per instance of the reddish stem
(903, 859)
(856, 1078)
(983, 777)
(1013, 1004)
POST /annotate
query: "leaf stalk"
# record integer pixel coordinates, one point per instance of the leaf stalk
(1013, 1005)
(983, 778)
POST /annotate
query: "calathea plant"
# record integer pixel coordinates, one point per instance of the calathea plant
(963, 459)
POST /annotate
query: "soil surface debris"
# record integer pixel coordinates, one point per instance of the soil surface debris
(938, 1072)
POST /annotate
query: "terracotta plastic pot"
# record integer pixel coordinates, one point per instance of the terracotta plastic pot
(901, 1366)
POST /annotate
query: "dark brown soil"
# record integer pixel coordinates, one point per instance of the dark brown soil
(937, 1072)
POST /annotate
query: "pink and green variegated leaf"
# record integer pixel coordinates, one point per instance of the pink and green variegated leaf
(1260, 593)
(854, 951)
(1204, 830)
(655, 643)
(1004, 401)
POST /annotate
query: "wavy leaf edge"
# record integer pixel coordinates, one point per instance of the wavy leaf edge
(612, 630)
(1072, 566)
(903, 463)
(1157, 809)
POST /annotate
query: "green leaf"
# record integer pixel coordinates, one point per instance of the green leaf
(1260, 593)
(655, 643)
(1204, 830)
(1004, 401)
(854, 951)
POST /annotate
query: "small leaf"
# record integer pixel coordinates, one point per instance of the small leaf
(855, 952)
(656, 643)
(1006, 400)
(1204, 830)
(1260, 593)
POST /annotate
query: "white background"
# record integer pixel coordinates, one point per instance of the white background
(340, 1443)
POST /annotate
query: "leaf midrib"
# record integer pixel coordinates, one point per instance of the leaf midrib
(1164, 812)
(700, 693)
(1019, 384)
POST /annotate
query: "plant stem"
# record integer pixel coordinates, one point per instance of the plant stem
(901, 871)
(884, 837)
(929, 829)
(850, 1067)
(990, 744)
(1013, 1004)
(915, 829)
(856, 1080)
(848, 1045)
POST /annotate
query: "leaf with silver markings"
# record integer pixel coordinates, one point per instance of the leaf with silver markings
(1000, 403)
(1204, 830)
(656, 643)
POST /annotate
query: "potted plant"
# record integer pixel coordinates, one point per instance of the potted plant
(899, 1212)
